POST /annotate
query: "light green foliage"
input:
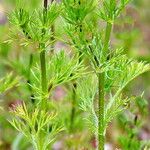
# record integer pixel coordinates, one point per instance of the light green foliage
(119, 72)
(36, 125)
(118, 69)
(93, 48)
(125, 71)
(111, 9)
(35, 25)
(64, 69)
(8, 82)
(75, 14)
(20, 65)
(75, 11)
(86, 91)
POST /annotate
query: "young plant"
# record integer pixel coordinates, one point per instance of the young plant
(32, 125)
(113, 69)
(39, 123)
(36, 124)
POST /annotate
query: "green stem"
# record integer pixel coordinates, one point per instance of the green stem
(53, 38)
(53, 34)
(107, 38)
(73, 109)
(101, 92)
(101, 109)
(43, 65)
(43, 75)
(29, 79)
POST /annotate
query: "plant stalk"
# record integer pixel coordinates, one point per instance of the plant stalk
(43, 67)
(73, 109)
(45, 4)
(107, 38)
(101, 108)
(53, 35)
(101, 92)
(43, 75)
(29, 79)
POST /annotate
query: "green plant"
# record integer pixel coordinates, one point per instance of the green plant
(44, 77)
(36, 123)
(96, 69)
(113, 69)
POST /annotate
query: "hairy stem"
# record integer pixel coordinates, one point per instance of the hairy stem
(101, 92)
(101, 108)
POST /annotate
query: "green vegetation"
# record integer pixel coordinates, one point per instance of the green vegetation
(92, 73)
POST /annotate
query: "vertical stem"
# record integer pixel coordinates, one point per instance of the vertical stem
(43, 65)
(53, 38)
(29, 78)
(43, 75)
(101, 92)
(101, 108)
(107, 38)
(53, 32)
(45, 4)
(73, 109)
